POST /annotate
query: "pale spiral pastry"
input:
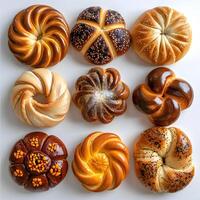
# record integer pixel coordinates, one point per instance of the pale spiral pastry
(163, 159)
(48, 84)
(101, 161)
(39, 36)
(161, 36)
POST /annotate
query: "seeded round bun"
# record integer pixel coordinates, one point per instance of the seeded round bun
(38, 161)
(163, 159)
(100, 35)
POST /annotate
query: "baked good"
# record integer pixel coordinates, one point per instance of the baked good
(100, 35)
(163, 96)
(101, 95)
(39, 36)
(38, 161)
(35, 111)
(101, 161)
(161, 36)
(163, 159)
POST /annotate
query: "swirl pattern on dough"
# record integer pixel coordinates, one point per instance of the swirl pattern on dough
(40, 112)
(39, 36)
(161, 36)
(163, 159)
(101, 161)
(163, 96)
(101, 95)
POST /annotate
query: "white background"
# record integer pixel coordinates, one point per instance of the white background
(73, 129)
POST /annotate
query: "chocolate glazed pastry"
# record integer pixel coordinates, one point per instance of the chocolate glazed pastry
(101, 95)
(163, 159)
(39, 36)
(100, 35)
(38, 161)
(163, 96)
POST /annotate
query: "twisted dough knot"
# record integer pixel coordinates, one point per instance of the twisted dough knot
(39, 36)
(35, 164)
(48, 84)
(101, 161)
(163, 159)
(100, 35)
(163, 96)
(101, 95)
(161, 36)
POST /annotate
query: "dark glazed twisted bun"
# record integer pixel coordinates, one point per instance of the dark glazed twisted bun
(163, 159)
(161, 36)
(101, 95)
(39, 36)
(163, 96)
(38, 161)
(100, 35)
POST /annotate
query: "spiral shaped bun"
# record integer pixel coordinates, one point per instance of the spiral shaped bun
(101, 161)
(39, 36)
(161, 36)
(163, 96)
(40, 82)
(163, 159)
(100, 35)
(101, 95)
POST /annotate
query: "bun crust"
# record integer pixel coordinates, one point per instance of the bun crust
(48, 84)
(163, 159)
(39, 36)
(100, 35)
(161, 36)
(38, 161)
(101, 95)
(101, 162)
(163, 96)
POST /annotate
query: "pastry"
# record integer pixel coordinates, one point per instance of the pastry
(101, 95)
(40, 83)
(38, 161)
(100, 35)
(101, 162)
(161, 36)
(163, 159)
(39, 36)
(163, 96)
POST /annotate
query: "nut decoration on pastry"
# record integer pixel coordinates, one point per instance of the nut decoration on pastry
(100, 35)
(38, 161)
(39, 36)
(161, 36)
(49, 85)
(163, 96)
(101, 95)
(101, 161)
(163, 159)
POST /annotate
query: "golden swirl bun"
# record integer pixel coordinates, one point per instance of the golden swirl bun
(101, 161)
(163, 96)
(100, 35)
(49, 85)
(163, 159)
(39, 36)
(101, 95)
(161, 36)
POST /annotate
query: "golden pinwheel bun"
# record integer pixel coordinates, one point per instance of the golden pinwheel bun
(163, 159)
(101, 161)
(161, 36)
(39, 36)
(163, 96)
(36, 111)
(100, 35)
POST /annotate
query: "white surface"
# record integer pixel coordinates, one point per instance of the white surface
(73, 129)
